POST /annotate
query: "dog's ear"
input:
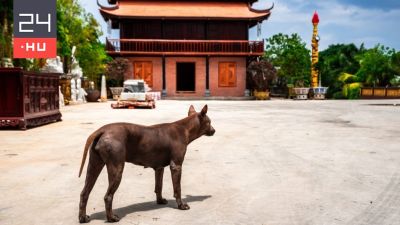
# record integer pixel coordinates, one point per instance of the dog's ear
(191, 110)
(204, 110)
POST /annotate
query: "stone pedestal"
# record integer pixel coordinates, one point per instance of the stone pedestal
(207, 93)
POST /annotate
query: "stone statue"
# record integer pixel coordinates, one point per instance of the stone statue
(76, 70)
(61, 97)
(77, 92)
(81, 93)
(73, 91)
(53, 66)
(6, 62)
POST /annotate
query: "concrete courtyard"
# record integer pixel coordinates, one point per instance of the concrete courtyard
(276, 162)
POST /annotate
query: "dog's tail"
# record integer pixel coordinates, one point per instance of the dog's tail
(91, 141)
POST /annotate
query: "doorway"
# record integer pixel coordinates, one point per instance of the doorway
(185, 77)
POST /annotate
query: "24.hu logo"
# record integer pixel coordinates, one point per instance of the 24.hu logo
(35, 34)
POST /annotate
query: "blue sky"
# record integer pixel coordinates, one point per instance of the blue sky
(341, 21)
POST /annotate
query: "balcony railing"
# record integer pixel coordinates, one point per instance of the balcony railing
(183, 47)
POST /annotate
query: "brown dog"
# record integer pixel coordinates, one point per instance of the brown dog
(150, 146)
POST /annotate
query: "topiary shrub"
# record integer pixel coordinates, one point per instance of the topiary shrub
(260, 74)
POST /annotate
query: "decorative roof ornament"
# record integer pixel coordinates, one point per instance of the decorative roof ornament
(259, 31)
(315, 18)
(261, 10)
(108, 7)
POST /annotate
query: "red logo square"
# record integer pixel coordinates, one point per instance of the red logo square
(35, 47)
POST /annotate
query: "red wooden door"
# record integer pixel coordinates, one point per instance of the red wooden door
(144, 71)
(227, 74)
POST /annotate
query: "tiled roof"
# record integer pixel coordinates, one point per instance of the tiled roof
(177, 10)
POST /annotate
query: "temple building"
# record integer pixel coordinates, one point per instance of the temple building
(186, 48)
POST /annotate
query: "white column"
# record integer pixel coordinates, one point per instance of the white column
(103, 95)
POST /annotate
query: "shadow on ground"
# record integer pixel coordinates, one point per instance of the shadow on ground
(146, 206)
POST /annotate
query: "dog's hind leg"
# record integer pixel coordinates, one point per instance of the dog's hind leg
(95, 166)
(114, 170)
(159, 172)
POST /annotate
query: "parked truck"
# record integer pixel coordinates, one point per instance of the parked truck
(134, 95)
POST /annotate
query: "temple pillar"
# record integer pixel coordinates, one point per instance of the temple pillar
(207, 93)
(164, 86)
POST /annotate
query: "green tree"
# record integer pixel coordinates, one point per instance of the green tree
(290, 55)
(116, 70)
(335, 60)
(351, 86)
(376, 66)
(77, 28)
(6, 28)
(395, 63)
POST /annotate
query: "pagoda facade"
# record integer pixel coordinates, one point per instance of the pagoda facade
(186, 48)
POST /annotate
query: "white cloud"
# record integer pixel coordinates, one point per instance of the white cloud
(339, 23)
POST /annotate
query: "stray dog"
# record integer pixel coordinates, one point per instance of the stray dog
(154, 146)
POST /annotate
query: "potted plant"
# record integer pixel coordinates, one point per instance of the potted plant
(115, 72)
(259, 75)
(301, 90)
(320, 92)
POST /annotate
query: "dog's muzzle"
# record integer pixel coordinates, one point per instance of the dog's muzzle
(211, 132)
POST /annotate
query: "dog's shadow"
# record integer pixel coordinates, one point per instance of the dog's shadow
(147, 206)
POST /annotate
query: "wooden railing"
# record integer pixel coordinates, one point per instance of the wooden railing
(380, 92)
(186, 47)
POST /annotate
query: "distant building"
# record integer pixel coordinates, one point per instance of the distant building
(186, 48)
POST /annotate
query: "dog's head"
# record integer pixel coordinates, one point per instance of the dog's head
(205, 122)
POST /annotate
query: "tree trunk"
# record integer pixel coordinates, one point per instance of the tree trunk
(66, 64)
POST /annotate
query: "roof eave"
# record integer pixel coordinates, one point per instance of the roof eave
(107, 15)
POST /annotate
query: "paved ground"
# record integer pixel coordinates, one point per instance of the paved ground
(275, 162)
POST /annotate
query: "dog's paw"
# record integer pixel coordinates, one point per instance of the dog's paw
(84, 219)
(113, 219)
(162, 201)
(183, 206)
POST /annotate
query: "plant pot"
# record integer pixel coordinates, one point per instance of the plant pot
(92, 95)
(116, 92)
(301, 93)
(290, 91)
(320, 92)
(261, 95)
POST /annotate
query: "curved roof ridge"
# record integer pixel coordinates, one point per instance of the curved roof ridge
(113, 7)
(261, 10)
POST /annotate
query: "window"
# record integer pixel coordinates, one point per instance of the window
(227, 74)
(143, 71)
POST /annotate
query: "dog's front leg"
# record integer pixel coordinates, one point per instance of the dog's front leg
(159, 172)
(176, 171)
